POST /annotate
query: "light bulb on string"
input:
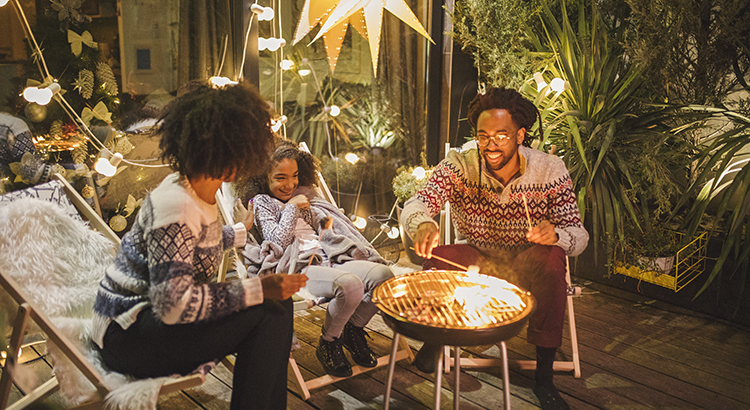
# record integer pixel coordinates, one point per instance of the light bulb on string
(557, 84)
(277, 123)
(540, 83)
(219, 82)
(352, 158)
(41, 96)
(108, 166)
(394, 233)
(266, 15)
(286, 64)
(418, 173)
(334, 110)
(358, 221)
(3, 2)
(303, 72)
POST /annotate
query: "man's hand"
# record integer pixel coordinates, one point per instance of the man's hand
(300, 201)
(282, 287)
(543, 234)
(426, 238)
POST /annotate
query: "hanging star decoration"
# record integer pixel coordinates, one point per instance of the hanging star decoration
(366, 16)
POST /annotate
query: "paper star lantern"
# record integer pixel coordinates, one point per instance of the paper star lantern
(366, 16)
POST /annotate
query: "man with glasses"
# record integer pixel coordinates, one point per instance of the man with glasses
(516, 208)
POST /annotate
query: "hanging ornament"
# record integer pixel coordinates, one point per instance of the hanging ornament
(85, 83)
(106, 77)
(365, 16)
(118, 223)
(35, 112)
(56, 129)
(78, 40)
(123, 146)
(99, 112)
(87, 191)
(80, 154)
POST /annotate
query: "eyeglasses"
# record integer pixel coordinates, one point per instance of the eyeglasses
(500, 139)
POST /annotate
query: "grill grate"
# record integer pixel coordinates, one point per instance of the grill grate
(452, 299)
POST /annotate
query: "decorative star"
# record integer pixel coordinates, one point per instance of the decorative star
(370, 14)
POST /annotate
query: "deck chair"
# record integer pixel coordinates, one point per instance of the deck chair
(449, 236)
(304, 301)
(72, 356)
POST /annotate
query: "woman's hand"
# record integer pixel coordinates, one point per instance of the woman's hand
(282, 287)
(300, 201)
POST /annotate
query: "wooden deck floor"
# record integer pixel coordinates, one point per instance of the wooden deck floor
(636, 354)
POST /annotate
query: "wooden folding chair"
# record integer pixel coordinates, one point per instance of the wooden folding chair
(448, 236)
(224, 197)
(27, 310)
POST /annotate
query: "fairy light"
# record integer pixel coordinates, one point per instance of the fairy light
(540, 83)
(419, 173)
(304, 72)
(219, 82)
(277, 123)
(286, 64)
(108, 166)
(358, 221)
(3, 2)
(557, 84)
(394, 233)
(41, 96)
(352, 158)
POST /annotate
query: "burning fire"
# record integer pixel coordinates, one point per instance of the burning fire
(480, 299)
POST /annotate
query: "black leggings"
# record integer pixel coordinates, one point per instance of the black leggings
(260, 336)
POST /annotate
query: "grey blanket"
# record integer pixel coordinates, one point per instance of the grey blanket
(340, 244)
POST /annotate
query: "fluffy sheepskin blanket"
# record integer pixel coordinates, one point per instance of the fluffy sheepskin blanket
(58, 262)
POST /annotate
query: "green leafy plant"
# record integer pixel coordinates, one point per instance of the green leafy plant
(619, 151)
(407, 182)
(375, 126)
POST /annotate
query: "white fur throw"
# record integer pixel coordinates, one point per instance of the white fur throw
(58, 262)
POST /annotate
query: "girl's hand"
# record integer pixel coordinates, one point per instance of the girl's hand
(300, 201)
(249, 214)
(326, 223)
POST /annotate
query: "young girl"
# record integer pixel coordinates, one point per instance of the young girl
(157, 312)
(345, 267)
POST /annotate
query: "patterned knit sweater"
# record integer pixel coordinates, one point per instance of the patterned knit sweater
(492, 216)
(167, 261)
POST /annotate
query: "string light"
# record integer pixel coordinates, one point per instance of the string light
(3, 2)
(270, 44)
(277, 123)
(219, 82)
(394, 233)
(107, 166)
(334, 110)
(303, 72)
(419, 173)
(540, 83)
(359, 222)
(352, 158)
(557, 84)
(286, 64)
(41, 96)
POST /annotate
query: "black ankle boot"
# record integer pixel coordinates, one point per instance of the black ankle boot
(549, 397)
(331, 356)
(354, 340)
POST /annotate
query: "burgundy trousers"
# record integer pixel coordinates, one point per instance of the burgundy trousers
(539, 269)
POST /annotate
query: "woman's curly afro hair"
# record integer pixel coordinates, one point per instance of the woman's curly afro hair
(523, 112)
(213, 132)
(307, 166)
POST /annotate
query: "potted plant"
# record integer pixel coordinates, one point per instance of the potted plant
(407, 182)
(652, 249)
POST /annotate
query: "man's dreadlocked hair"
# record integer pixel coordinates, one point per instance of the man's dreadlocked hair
(307, 167)
(213, 132)
(522, 111)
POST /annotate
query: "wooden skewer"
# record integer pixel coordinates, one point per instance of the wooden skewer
(526, 206)
(462, 267)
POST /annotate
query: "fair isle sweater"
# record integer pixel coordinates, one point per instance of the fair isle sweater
(167, 261)
(492, 216)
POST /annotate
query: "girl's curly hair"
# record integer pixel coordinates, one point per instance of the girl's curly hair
(307, 165)
(522, 111)
(213, 132)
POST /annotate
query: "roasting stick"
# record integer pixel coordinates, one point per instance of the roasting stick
(526, 206)
(462, 267)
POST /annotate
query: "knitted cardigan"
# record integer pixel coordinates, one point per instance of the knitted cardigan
(167, 261)
(492, 216)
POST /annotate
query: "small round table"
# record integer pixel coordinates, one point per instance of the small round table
(452, 308)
